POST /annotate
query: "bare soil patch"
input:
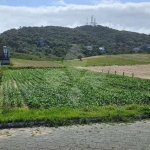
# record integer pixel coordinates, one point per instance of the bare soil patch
(141, 71)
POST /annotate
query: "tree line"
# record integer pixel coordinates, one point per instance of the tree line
(57, 42)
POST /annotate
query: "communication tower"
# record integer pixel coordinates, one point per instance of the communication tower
(87, 21)
(92, 22)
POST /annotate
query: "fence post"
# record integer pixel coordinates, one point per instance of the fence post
(132, 75)
(115, 72)
(123, 74)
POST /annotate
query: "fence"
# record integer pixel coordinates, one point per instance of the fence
(120, 73)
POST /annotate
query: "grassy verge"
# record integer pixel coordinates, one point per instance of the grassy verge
(105, 60)
(109, 60)
(67, 116)
(33, 63)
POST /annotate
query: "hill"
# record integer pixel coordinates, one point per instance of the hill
(53, 42)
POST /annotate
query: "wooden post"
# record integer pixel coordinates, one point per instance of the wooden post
(108, 71)
(123, 74)
(132, 75)
(102, 70)
(115, 72)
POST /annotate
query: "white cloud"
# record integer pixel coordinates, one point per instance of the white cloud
(128, 16)
(60, 3)
(105, 1)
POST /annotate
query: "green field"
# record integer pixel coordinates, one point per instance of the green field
(104, 60)
(110, 60)
(67, 87)
(59, 94)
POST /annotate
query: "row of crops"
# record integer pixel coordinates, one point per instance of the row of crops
(36, 88)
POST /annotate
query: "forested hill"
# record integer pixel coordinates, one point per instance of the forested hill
(52, 42)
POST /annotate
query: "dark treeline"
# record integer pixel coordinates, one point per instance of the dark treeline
(53, 42)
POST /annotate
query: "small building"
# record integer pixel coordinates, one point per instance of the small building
(41, 41)
(136, 49)
(4, 55)
(148, 48)
(102, 49)
(90, 48)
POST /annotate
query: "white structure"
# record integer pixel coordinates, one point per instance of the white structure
(90, 48)
(102, 49)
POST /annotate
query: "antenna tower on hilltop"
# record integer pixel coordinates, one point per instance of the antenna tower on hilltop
(87, 22)
(93, 21)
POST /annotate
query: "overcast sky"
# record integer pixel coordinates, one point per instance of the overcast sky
(133, 15)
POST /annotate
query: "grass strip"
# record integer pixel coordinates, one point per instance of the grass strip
(23, 117)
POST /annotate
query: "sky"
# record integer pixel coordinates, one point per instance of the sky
(127, 15)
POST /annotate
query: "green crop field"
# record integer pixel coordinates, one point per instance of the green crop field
(67, 87)
(59, 95)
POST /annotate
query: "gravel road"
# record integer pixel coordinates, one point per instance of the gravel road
(131, 136)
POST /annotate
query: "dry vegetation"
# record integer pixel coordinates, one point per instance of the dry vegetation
(141, 71)
(31, 63)
(131, 64)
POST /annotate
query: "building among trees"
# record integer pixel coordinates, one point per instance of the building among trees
(4, 54)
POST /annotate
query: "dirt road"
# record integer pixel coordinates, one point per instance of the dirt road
(141, 71)
(133, 136)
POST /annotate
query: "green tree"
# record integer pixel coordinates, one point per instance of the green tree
(80, 57)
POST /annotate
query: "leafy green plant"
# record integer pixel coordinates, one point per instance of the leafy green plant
(61, 87)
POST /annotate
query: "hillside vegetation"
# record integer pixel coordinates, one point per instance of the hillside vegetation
(58, 42)
(59, 94)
